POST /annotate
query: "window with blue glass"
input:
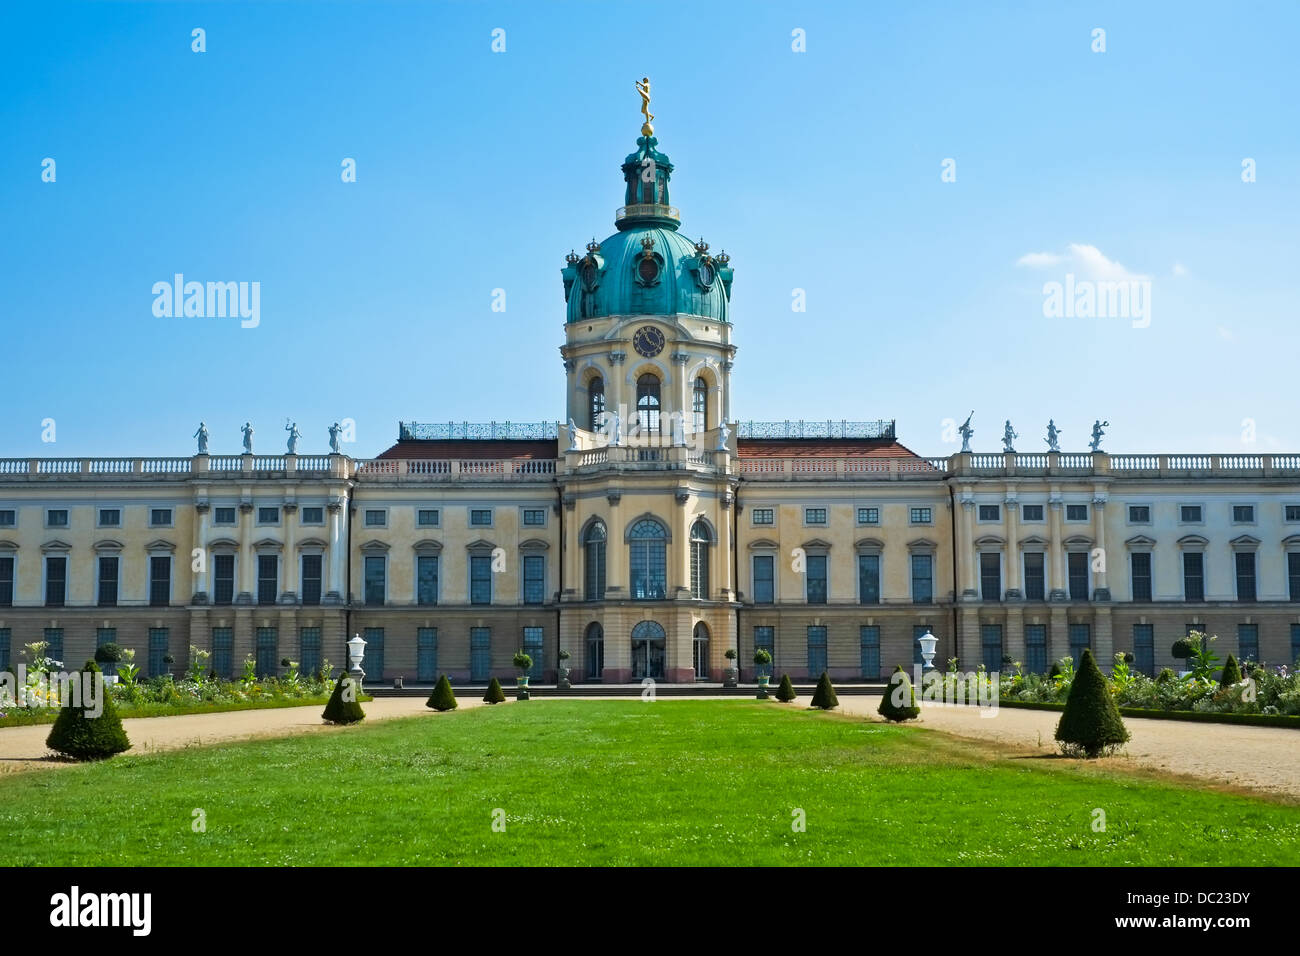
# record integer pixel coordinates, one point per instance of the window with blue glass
(648, 542)
(1076, 566)
(1036, 648)
(373, 662)
(1295, 645)
(1144, 649)
(6, 581)
(533, 647)
(480, 653)
(53, 637)
(1248, 642)
(815, 575)
(6, 638)
(922, 578)
(160, 580)
(990, 576)
(595, 650)
(108, 565)
(56, 581)
(1292, 574)
(223, 579)
(426, 654)
(1080, 640)
(534, 579)
(376, 580)
(764, 583)
(765, 639)
(426, 579)
(869, 640)
(309, 659)
(158, 640)
(816, 650)
(700, 541)
(223, 652)
(311, 579)
(1140, 566)
(1245, 567)
(1035, 576)
(1194, 576)
(869, 578)
(267, 658)
(268, 578)
(991, 646)
(594, 556)
(480, 579)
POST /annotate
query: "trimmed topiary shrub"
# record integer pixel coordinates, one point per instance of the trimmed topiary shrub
(1166, 675)
(899, 700)
(442, 697)
(494, 695)
(343, 707)
(1182, 649)
(1091, 725)
(1231, 673)
(80, 736)
(824, 696)
(1056, 670)
(785, 693)
(108, 653)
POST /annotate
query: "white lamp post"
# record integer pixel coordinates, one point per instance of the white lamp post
(928, 645)
(357, 652)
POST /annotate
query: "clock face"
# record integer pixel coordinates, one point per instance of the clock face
(648, 341)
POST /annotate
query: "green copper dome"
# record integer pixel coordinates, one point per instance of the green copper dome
(647, 267)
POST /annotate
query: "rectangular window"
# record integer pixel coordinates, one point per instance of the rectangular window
(268, 515)
(376, 518)
(1292, 573)
(1076, 567)
(815, 573)
(1140, 565)
(991, 647)
(312, 515)
(160, 517)
(869, 641)
(160, 580)
(1189, 514)
(1193, 576)
(223, 652)
(534, 517)
(56, 518)
(480, 517)
(1243, 514)
(1031, 513)
(1295, 644)
(920, 515)
(110, 517)
(267, 657)
(922, 578)
(426, 654)
(1035, 576)
(1036, 648)
(268, 578)
(223, 580)
(311, 578)
(814, 516)
(480, 653)
(1139, 514)
(309, 660)
(1144, 649)
(990, 576)
(816, 650)
(990, 513)
(158, 640)
(56, 581)
(1291, 512)
(105, 635)
(108, 580)
(1076, 512)
(868, 516)
(1245, 567)
(6, 639)
(480, 579)
(223, 516)
(53, 636)
(426, 579)
(534, 579)
(869, 579)
(765, 638)
(534, 648)
(376, 580)
(1080, 640)
(8, 517)
(764, 516)
(373, 661)
(1248, 643)
(764, 585)
(6, 581)
(427, 517)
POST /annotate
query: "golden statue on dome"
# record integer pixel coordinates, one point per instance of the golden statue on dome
(643, 87)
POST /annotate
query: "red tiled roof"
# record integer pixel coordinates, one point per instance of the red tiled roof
(822, 447)
(473, 449)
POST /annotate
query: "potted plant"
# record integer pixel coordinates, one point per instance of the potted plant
(525, 663)
(762, 658)
(107, 657)
(562, 681)
(730, 677)
(168, 661)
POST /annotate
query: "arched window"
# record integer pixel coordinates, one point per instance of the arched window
(700, 405)
(595, 650)
(648, 544)
(700, 540)
(648, 651)
(700, 651)
(647, 404)
(596, 403)
(593, 543)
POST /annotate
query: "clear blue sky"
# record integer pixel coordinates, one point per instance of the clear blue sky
(480, 170)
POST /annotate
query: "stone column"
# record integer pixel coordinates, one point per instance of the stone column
(1100, 583)
(201, 542)
(725, 402)
(616, 564)
(574, 557)
(247, 558)
(289, 595)
(684, 393)
(336, 556)
(966, 555)
(679, 551)
(724, 588)
(1012, 554)
(1055, 549)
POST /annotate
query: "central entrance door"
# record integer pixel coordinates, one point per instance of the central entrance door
(648, 642)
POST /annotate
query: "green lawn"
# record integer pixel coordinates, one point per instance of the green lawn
(625, 782)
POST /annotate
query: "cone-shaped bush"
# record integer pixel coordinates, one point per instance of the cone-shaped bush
(494, 695)
(899, 701)
(1231, 672)
(1091, 725)
(785, 693)
(824, 696)
(1055, 670)
(442, 697)
(78, 735)
(343, 707)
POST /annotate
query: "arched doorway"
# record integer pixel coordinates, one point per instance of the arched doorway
(595, 650)
(648, 642)
(700, 651)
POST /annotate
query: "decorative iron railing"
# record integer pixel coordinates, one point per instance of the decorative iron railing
(647, 209)
(477, 431)
(818, 429)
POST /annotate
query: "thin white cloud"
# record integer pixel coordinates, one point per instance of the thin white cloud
(1086, 260)
(1039, 260)
(1179, 269)
(1226, 334)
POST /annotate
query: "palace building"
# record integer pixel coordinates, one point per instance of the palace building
(651, 532)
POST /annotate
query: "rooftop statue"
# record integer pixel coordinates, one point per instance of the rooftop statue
(966, 431)
(1052, 439)
(1097, 432)
(248, 437)
(294, 435)
(1009, 435)
(335, 429)
(202, 436)
(643, 87)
